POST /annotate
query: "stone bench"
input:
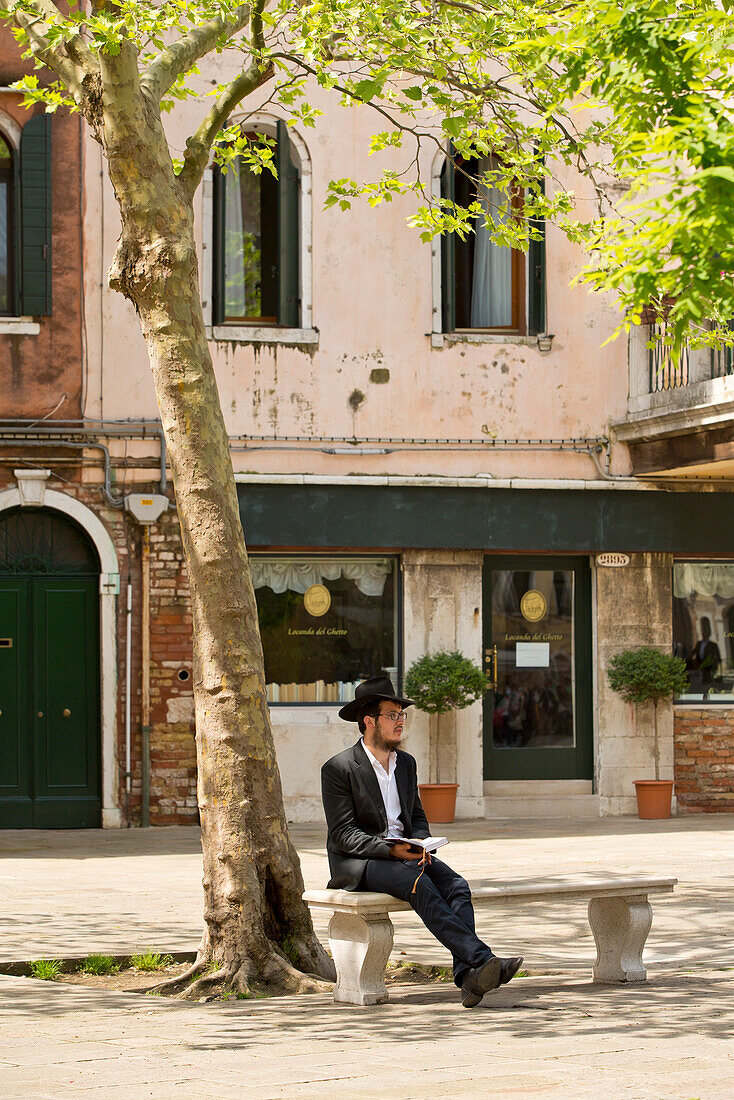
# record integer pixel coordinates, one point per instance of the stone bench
(620, 915)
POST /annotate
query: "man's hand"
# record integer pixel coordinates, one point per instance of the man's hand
(401, 850)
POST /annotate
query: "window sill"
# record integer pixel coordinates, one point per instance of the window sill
(250, 334)
(699, 704)
(438, 339)
(19, 326)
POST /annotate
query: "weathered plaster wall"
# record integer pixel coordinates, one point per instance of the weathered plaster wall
(374, 372)
(443, 601)
(633, 608)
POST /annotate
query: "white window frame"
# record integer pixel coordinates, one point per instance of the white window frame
(256, 334)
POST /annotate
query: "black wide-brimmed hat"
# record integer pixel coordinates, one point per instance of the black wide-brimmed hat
(369, 691)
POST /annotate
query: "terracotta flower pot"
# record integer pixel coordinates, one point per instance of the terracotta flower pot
(653, 797)
(439, 801)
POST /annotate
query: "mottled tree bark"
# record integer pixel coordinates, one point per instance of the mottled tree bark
(258, 928)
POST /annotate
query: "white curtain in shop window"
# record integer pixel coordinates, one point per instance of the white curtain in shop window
(234, 252)
(703, 580)
(298, 576)
(491, 299)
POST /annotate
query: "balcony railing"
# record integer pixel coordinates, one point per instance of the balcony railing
(667, 372)
(722, 361)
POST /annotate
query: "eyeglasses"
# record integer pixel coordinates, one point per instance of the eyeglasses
(395, 715)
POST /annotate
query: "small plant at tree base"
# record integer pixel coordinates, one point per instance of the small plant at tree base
(45, 969)
(441, 682)
(647, 675)
(150, 960)
(99, 964)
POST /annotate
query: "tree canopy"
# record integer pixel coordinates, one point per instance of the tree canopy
(637, 98)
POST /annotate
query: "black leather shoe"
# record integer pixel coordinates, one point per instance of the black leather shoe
(479, 981)
(509, 969)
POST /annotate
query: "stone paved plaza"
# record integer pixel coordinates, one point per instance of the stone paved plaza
(550, 1034)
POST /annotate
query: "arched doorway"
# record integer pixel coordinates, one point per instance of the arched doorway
(49, 673)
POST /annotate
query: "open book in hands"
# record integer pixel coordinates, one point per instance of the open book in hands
(427, 843)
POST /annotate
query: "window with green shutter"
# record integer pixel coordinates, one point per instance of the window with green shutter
(7, 228)
(256, 241)
(485, 286)
(33, 276)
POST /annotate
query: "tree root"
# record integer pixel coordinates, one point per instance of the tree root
(274, 975)
(180, 981)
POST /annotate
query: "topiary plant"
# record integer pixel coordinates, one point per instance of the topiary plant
(647, 675)
(441, 682)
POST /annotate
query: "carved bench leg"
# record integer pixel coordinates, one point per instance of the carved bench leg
(620, 927)
(361, 947)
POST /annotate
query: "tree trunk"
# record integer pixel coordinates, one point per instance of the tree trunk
(257, 928)
(656, 743)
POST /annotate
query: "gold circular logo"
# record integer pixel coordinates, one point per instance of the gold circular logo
(317, 600)
(533, 606)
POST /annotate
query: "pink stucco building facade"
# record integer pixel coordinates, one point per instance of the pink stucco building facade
(435, 447)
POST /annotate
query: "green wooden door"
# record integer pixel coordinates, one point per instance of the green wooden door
(49, 674)
(65, 712)
(537, 649)
(16, 787)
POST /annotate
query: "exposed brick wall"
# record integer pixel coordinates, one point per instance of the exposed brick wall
(704, 760)
(172, 740)
(172, 744)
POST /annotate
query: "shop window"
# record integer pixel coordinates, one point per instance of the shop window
(256, 226)
(703, 628)
(25, 221)
(326, 624)
(487, 286)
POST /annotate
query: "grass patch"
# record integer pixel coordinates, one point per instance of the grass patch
(99, 964)
(47, 970)
(150, 960)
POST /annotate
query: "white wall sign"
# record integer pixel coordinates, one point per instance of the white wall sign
(532, 655)
(610, 559)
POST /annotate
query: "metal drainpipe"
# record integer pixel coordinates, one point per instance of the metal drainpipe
(145, 702)
(128, 685)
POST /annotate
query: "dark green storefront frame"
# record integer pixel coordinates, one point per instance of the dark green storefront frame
(559, 521)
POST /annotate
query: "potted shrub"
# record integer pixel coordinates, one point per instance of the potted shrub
(439, 683)
(647, 675)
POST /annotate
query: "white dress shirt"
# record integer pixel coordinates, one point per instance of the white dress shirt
(388, 790)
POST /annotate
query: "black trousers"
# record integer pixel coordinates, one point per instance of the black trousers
(442, 900)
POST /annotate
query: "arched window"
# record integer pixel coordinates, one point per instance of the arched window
(487, 286)
(257, 240)
(7, 228)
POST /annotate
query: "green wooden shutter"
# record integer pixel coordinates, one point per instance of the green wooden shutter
(536, 278)
(448, 252)
(218, 196)
(35, 217)
(289, 302)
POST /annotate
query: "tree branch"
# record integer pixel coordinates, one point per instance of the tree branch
(180, 56)
(199, 144)
(72, 61)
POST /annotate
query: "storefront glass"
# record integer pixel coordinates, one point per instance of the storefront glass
(533, 635)
(326, 623)
(703, 628)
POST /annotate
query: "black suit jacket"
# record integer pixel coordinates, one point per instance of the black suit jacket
(355, 812)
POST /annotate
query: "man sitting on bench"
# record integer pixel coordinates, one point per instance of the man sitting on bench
(370, 793)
